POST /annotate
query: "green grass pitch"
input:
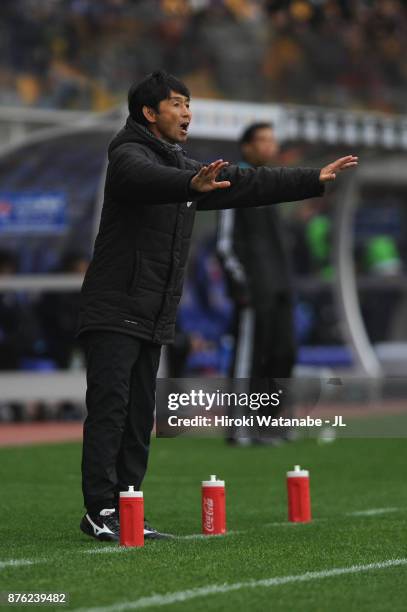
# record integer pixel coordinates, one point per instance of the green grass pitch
(41, 506)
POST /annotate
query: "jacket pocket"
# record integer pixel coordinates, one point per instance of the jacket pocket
(134, 273)
(154, 275)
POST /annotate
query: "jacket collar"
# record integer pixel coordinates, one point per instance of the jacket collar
(135, 132)
(137, 127)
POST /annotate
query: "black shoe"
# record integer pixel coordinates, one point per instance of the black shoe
(152, 534)
(104, 526)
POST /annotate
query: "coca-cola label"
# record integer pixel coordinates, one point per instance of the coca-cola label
(208, 514)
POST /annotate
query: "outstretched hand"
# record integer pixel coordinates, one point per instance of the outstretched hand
(205, 180)
(329, 172)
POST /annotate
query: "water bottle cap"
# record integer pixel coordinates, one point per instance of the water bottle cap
(131, 492)
(213, 482)
(297, 472)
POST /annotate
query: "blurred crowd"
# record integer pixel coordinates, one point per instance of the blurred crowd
(37, 329)
(82, 54)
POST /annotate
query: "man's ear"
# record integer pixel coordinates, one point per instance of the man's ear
(150, 114)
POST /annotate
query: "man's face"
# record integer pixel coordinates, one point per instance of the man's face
(262, 149)
(172, 121)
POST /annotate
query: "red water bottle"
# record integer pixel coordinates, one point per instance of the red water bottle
(131, 518)
(299, 501)
(213, 507)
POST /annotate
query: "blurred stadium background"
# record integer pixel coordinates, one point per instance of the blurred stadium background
(330, 74)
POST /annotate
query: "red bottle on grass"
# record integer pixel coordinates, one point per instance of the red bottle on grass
(131, 518)
(213, 507)
(299, 500)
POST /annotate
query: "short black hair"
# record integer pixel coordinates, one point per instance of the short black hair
(151, 90)
(249, 132)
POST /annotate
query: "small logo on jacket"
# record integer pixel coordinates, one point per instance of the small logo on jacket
(189, 204)
(127, 321)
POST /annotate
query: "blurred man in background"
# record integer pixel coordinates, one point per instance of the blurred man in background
(253, 252)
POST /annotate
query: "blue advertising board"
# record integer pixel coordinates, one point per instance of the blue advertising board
(28, 212)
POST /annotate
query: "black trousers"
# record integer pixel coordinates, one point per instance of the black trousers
(265, 353)
(121, 375)
(265, 343)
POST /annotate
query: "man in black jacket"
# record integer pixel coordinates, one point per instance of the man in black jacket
(134, 281)
(252, 248)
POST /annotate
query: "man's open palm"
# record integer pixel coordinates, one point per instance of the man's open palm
(205, 180)
(329, 172)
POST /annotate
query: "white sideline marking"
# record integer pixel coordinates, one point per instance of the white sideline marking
(109, 549)
(16, 563)
(190, 536)
(288, 523)
(213, 589)
(373, 511)
(201, 536)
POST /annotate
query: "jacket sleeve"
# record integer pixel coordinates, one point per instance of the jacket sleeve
(261, 186)
(131, 173)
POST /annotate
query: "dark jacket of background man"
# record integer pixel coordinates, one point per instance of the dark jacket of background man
(253, 249)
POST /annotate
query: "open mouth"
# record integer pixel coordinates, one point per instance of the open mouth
(184, 127)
